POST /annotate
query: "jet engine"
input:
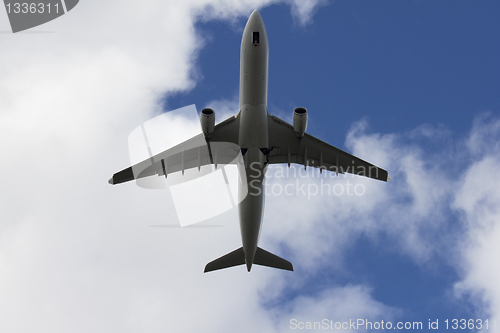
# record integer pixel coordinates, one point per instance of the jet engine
(300, 121)
(207, 120)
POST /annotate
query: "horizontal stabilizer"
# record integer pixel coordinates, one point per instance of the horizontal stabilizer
(264, 258)
(235, 258)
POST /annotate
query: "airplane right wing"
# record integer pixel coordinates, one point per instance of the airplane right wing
(193, 153)
(286, 147)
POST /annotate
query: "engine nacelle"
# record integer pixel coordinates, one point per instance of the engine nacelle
(300, 121)
(207, 120)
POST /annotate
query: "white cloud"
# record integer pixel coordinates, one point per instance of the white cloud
(341, 307)
(484, 136)
(224, 108)
(409, 209)
(413, 209)
(303, 11)
(478, 199)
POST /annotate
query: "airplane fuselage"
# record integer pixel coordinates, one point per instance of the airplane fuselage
(262, 139)
(253, 133)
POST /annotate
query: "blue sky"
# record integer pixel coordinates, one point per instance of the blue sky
(411, 86)
(399, 64)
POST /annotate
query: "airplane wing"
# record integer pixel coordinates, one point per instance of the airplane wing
(193, 153)
(286, 147)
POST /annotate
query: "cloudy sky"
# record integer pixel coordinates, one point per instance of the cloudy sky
(410, 86)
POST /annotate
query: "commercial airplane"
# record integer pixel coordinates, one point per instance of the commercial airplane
(261, 139)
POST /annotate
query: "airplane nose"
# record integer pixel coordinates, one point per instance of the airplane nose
(255, 16)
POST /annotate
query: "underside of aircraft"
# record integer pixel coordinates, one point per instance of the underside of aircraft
(258, 139)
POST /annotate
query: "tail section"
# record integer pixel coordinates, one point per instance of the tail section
(237, 257)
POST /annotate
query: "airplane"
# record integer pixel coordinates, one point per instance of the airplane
(261, 139)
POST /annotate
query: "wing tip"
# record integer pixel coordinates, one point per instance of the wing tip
(388, 178)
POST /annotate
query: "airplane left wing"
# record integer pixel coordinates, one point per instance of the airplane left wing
(222, 148)
(286, 147)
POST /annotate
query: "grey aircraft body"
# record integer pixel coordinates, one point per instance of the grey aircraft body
(261, 139)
